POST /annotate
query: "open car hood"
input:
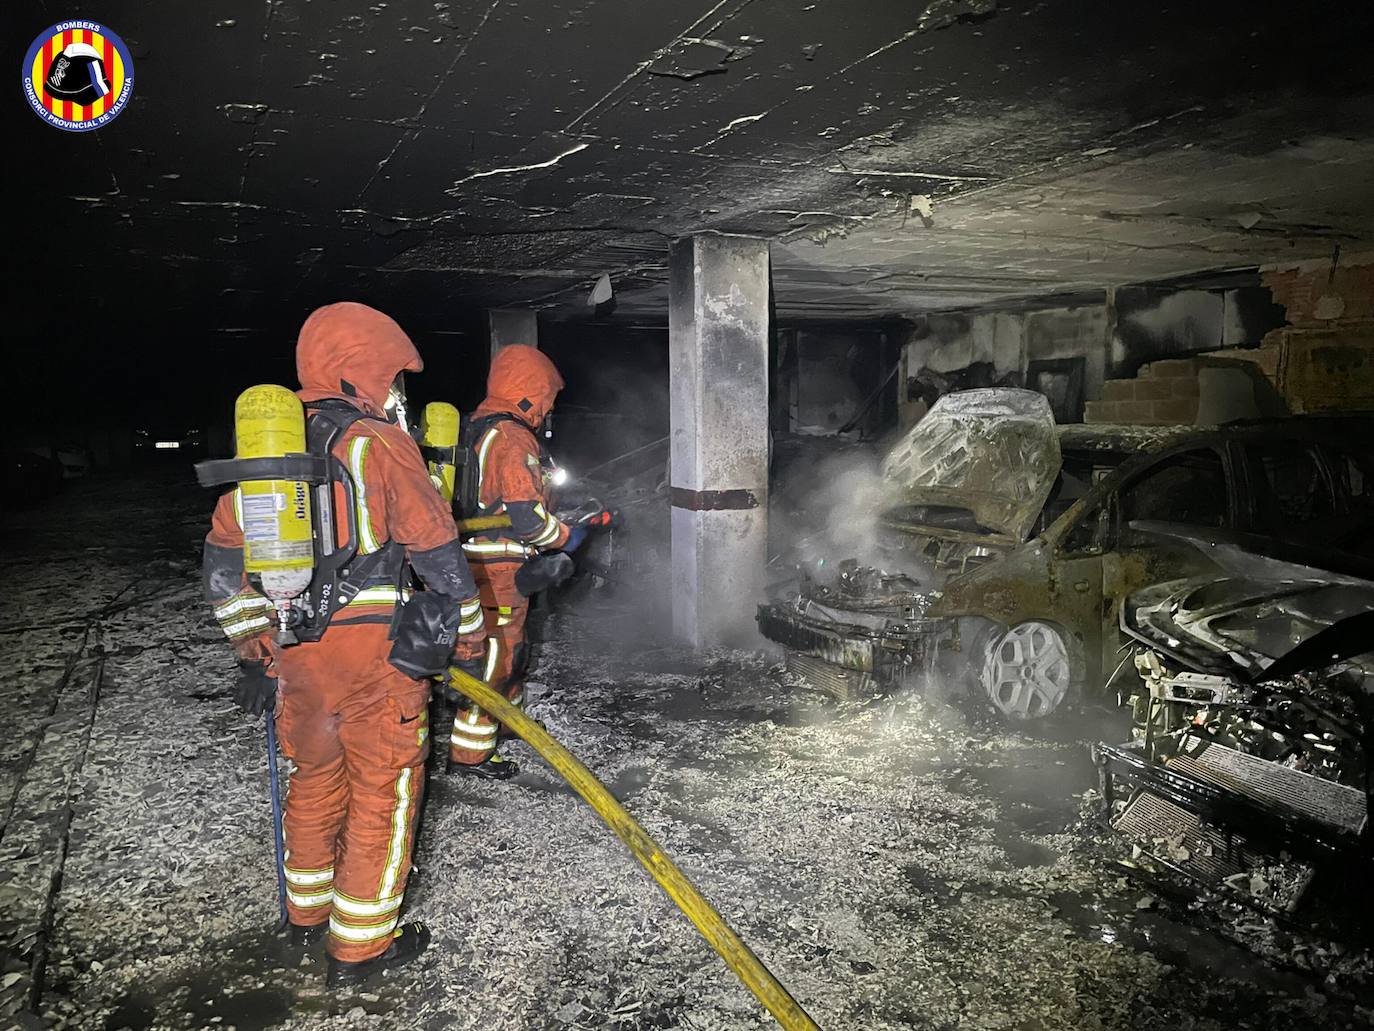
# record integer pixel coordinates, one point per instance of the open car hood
(1271, 611)
(992, 453)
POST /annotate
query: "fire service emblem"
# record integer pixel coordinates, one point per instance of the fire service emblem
(78, 75)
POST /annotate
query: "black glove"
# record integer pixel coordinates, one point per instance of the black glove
(255, 692)
(424, 635)
(545, 571)
(473, 667)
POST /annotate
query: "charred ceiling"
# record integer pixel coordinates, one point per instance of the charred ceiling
(907, 156)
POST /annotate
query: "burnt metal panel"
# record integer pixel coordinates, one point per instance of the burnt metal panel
(850, 649)
(1268, 821)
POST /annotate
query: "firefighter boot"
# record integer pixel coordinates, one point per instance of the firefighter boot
(302, 936)
(409, 941)
(495, 768)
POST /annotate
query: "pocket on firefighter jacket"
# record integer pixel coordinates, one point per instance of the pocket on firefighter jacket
(405, 729)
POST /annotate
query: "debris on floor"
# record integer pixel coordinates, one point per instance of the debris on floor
(901, 863)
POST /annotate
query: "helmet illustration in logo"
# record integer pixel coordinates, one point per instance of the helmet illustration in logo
(77, 75)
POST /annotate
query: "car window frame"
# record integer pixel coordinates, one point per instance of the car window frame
(1107, 491)
(1090, 505)
(1256, 480)
(1333, 455)
(1225, 452)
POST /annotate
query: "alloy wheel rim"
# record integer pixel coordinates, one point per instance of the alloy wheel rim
(1027, 672)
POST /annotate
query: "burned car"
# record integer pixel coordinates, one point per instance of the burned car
(1007, 543)
(1253, 717)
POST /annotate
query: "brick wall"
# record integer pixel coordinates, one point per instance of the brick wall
(1313, 293)
(1163, 393)
(1326, 352)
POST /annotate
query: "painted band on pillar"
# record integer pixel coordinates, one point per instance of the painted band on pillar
(713, 500)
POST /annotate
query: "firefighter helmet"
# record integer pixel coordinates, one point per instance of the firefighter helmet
(77, 75)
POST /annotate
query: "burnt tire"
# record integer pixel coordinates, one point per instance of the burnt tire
(1028, 670)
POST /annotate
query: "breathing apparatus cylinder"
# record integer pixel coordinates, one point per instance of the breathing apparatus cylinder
(269, 422)
(439, 437)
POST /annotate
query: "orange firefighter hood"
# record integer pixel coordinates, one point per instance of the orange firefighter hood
(523, 382)
(352, 351)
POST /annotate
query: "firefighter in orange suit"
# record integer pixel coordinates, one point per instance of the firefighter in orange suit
(354, 724)
(521, 388)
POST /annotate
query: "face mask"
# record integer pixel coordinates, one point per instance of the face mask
(396, 402)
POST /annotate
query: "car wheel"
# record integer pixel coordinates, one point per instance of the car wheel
(1027, 669)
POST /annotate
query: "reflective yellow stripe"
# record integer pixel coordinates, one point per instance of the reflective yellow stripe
(339, 928)
(377, 596)
(313, 900)
(482, 450)
(400, 822)
(357, 460)
(470, 616)
(496, 548)
(549, 533)
(486, 730)
(493, 651)
(307, 877)
(477, 739)
(246, 626)
(350, 906)
(240, 603)
(245, 613)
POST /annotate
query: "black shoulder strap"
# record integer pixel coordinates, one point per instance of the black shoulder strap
(329, 419)
(470, 484)
(332, 588)
(477, 426)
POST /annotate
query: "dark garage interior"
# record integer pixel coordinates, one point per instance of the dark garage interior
(961, 495)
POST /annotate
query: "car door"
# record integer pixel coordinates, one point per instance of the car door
(1075, 577)
(1192, 485)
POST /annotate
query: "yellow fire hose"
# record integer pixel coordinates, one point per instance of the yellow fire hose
(479, 523)
(738, 957)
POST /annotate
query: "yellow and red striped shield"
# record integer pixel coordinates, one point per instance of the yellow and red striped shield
(78, 75)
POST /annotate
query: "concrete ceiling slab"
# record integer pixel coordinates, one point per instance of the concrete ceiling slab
(905, 157)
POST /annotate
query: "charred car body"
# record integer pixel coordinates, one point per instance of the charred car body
(1009, 544)
(1254, 718)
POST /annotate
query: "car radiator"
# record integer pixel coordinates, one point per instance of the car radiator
(844, 685)
(1207, 855)
(1341, 808)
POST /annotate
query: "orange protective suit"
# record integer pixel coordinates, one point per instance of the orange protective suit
(356, 728)
(523, 382)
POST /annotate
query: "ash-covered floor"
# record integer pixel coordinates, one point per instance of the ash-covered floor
(900, 865)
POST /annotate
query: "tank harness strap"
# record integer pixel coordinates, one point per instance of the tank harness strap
(468, 499)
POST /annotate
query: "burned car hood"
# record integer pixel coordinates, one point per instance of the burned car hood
(981, 462)
(1271, 610)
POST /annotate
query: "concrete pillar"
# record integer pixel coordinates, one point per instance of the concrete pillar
(718, 381)
(512, 326)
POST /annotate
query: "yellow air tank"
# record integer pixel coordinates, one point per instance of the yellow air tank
(439, 429)
(269, 422)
